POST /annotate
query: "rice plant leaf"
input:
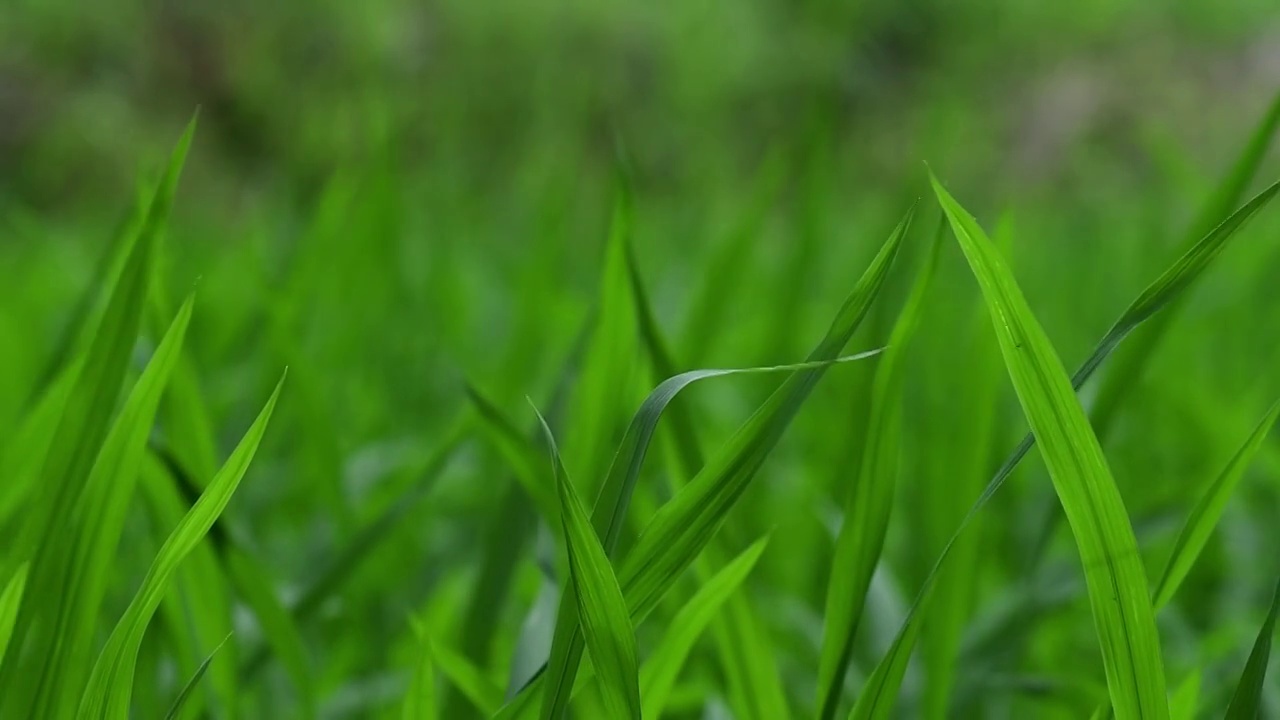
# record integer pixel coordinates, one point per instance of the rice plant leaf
(10, 600)
(1123, 615)
(191, 684)
(659, 672)
(420, 697)
(606, 624)
(111, 681)
(869, 501)
(682, 527)
(1166, 288)
(1185, 699)
(72, 576)
(1246, 702)
(1208, 511)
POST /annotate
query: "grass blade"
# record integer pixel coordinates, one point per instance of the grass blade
(1246, 702)
(420, 697)
(606, 624)
(465, 676)
(662, 667)
(1185, 699)
(1208, 510)
(1114, 574)
(191, 684)
(869, 501)
(682, 527)
(10, 600)
(111, 682)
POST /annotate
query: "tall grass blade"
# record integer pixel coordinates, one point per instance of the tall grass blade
(1246, 702)
(682, 527)
(1114, 574)
(111, 682)
(420, 697)
(10, 600)
(191, 684)
(869, 502)
(1208, 510)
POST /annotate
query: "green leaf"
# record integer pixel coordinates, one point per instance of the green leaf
(192, 683)
(881, 689)
(869, 501)
(71, 576)
(1208, 510)
(1246, 702)
(111, 682)
(24, 453)
(1116, 581)
(1166, 288)
(662, 667)
(464, 675)
(606, 624)
(420, 697)
(1185, 699)
(680, 530)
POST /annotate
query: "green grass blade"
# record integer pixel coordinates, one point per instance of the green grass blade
(1246, 702)
(180, 701)
(25, 451)
(10, 600)
(1208, 511)
(520, 454)
(881, 689)
(662, 667)
(606, 624)
(111, 682)
(869, 501)
(1185, 699)
(1117, 583)
(683, 527)
(420, 697)
(72, 577)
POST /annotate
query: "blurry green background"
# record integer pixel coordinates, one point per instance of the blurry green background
(393, 198)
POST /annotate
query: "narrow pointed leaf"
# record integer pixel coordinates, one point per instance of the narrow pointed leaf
(192, 683)
(1246, 703)
(420, 697)
(1116, 580)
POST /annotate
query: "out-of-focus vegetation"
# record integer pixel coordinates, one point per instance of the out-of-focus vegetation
(436, 213)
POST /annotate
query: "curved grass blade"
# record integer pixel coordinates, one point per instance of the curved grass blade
(1113, 569)
(682, 527)
(662, 667)
(1246, 702)
(606, 624)
(881, 690)
(72, 577)
(111, 682)
(1166, 288)
(191, 685)
(869, 501)
(420, 697)
(1208, 510)
(1185, 699)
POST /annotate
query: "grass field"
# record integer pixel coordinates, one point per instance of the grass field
(562, 360)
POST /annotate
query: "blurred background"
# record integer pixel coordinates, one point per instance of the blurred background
(394, 198)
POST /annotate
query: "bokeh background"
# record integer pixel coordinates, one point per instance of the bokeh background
(394, 198)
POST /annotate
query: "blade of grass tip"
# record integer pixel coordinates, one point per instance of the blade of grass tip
(84, 421)
(111, 681)
(869, 502)
(606, 624)
(1167, 287)
(1114, 575)
(72, 579)
(10, 600)
(1185, 699)
(193, 682)
(1246, 702)
(1208, 511)
(659, 672)
(604, 384)
(420, 697)
(682, 527)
